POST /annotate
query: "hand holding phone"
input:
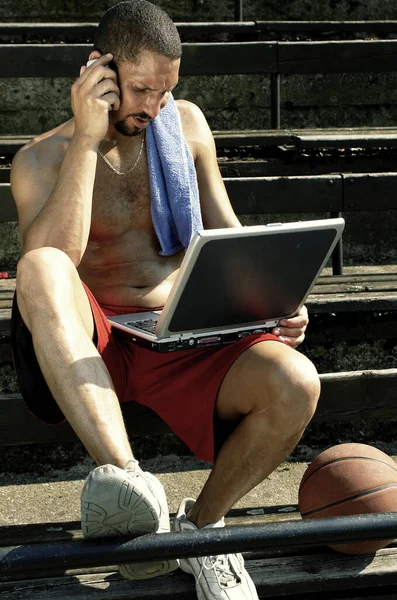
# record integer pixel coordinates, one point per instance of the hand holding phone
(94, 94)
(91, 62)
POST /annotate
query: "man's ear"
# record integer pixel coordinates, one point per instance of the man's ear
(94, 54)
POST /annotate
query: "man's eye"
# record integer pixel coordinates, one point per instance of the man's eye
(140, 90)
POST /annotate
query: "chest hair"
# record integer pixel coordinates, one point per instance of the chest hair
(121, 202)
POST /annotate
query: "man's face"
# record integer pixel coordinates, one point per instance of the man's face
(144, 90)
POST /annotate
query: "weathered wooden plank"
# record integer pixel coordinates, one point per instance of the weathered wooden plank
(43, 60)
(64, 60)
(85, 32)
(247, 137)
(251, 195)
(254, 195)
(345, 293)
(10, 144)
(104, 586)
(27, 32)
(297, 138)
(385, 273)
(364, 56)
(279, 576)
(352, 287)
(343, 288)
(8, 211)
(328, 26)
(78, 31)
(357, 395)
(311, 138)
(346, 139)
(369, 191)
(5, 174)
(327, 328)
(348, 396)
(231, 58)
(323, 573)
(360, 301)
(187, 30)
(19, 426)
(317, 193)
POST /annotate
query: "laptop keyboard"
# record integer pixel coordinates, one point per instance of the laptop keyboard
(148, 325)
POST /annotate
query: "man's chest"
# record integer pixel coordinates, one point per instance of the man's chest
(120, 202)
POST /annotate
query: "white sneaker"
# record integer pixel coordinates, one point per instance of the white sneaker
(221, 577)
(126, 501)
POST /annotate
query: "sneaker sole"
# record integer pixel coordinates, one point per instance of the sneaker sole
(148, 570)
(114, 505)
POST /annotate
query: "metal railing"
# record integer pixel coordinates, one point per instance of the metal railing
(84, 553)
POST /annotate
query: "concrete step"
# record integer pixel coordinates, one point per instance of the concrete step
(188, 10)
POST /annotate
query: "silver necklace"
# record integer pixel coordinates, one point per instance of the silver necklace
(109, 164)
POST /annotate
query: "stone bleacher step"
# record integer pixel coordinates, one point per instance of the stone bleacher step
(349, 137)
(367, 287)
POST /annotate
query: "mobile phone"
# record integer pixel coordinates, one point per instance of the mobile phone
(91, 62)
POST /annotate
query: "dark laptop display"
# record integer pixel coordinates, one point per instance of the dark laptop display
(248, 279)
(235, 282)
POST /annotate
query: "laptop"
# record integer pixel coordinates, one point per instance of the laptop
(236, 282)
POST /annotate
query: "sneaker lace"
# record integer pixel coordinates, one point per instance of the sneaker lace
(131, 466)
(223, 569)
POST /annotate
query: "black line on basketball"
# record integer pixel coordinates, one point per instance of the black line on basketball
(360, 495)
(337, 460)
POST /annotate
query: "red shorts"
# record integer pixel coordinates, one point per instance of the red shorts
(181, 387)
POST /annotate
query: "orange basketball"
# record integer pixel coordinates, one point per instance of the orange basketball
(349, 479)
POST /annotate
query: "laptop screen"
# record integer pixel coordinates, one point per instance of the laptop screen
(248, 279)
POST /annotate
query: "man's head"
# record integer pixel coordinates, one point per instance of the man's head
(146, 50)
(134, 26)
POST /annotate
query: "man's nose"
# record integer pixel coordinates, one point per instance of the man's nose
(153, 106)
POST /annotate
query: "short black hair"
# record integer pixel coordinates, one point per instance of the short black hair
(131, 27)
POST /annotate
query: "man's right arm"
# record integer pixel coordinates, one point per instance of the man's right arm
(54, 197)
(55, 211)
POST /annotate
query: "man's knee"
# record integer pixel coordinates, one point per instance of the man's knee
(39, 265)
(42, 275)
(299, 390)
(273, 378)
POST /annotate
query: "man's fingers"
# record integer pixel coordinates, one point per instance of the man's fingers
(113, 100)
(292, 332)
(97, 69)
(98, 74)
(106, 87)
(300, 320)
(292, 341)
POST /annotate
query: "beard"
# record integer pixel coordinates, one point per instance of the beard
(126, 130)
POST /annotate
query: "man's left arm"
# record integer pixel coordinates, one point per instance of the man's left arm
(216, 208)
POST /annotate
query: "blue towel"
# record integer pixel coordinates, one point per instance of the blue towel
(175, 204)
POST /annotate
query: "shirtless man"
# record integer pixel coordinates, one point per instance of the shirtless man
(90, 250)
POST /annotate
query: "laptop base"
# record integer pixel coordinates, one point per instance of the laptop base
(191, 343)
